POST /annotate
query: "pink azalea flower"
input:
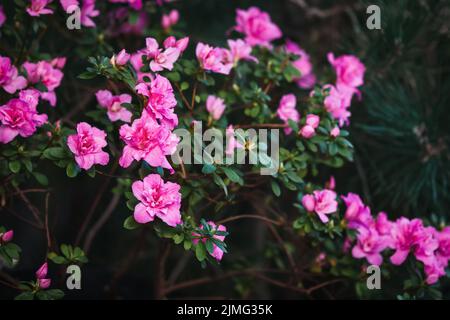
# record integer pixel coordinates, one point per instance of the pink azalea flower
(307, 131)
(257, 27)
(87, 146)
(42, 271)
(337, 103)
(357, 214)
(443, 251)
(309, 202)
(10, 81)
(157, 199)
(172, 42)
(147, 140)
(349, 70)
(7, 236)
(20, 117)
(38, 7)
(160, 102)
(45, 73)
(405, 235)
(335, 132)
(121, 59)
(240, 50)
(2, 16)
(428, 243)
(303, 64)
(169, 20)
(217, 252)
(217, 60)
(433, 271)
(312, 120)
(161, 59)
(44, 283)
(58, 62)
(215, 106)
(88, 12)
(286, 110)
(325, 203)
(369, 245)
(232, 142)
(114, 105)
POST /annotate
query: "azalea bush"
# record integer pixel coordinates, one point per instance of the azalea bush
(98, 162)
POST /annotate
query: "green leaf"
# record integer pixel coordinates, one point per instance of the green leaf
(66, 251)
(232, 175)
(130, 223)
(275, 188)
(187, 244)
(200, 252)
(14, 166)
(41, 178)
(209, 246)
(208, 168)
(55, 153)
(219, 181)
(72, 170)
(55, 294)
(28, 295)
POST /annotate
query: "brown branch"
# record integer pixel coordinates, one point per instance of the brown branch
(250, 216)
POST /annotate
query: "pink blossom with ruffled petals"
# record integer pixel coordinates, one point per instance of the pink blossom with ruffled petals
(349, 70)
(161, 59)
(428, 243)
(66, 4)
(433, 271)
(405, 235)
(217, 60)
(20, 117)
(357, 214)
(113, 104)
(169, 20)
(147, 140)
(325, 203)
(2, 16)
(443, 251)
(337, 103)
(87, 146)
(240, 50)
(10, 80)
(47, 74)
(217, 252)
(257, 27)
(172, 42)
(160, 102)
(157, 199)
(215, 106)
(303, 64)
(287, 110)
(369, 245)
(38, 7)
(7, 236)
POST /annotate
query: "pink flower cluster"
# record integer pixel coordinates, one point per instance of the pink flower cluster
(41, 277)
(287, 110)
(87, 145)
(403, 236)
(19, 116)
(113, 105)
(322, 202)
(10, 80)
(217, 252)
(349, 76)
(47, 73)
(157, 199)
(303, 64)
(257, 27)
